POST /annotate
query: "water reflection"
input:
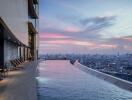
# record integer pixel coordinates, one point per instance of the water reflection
(61, 81)
(42, 80)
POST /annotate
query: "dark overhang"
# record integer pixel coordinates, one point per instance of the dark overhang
(35, 1)
(31, 10)
(8, 35)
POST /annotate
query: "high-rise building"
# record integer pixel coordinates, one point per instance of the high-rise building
(18, 29)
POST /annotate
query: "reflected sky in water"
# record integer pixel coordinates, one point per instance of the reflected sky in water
(59, 80)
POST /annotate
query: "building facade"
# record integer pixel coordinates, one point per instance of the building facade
(18, 30)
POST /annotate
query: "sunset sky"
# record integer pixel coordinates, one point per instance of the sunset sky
(85, 26)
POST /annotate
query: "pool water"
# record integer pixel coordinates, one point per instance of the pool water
(59, 80)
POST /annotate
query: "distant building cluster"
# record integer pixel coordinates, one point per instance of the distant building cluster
(119, 66)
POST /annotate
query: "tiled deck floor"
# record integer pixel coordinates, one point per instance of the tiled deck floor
(20, 84)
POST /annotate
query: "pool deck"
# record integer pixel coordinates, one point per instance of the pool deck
(20, 84)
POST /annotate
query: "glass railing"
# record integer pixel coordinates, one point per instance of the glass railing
(32, 21)
(35, 23)
(36, 8)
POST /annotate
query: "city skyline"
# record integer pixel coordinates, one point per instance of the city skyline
(85, 26)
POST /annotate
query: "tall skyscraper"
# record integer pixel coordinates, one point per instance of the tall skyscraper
(18, 29)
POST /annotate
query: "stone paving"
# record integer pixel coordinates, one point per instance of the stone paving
(20, 84)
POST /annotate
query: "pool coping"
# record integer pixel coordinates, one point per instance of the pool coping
(124, 84)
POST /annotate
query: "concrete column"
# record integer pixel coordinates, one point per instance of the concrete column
(1, 46)
(20, 52)
(27, 53)
(24, 53)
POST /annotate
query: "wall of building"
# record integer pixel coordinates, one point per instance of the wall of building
(15, 15)
(10, 51)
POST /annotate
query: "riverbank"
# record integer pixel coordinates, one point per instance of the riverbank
(114, 80)
(20, 84)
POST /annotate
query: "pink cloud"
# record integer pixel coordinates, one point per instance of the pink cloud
(71, 42)
(127, 47)
(52, 36)
(79, 43)
(83, 43)
(108, 46)
(72, 29)
(75, 46)
(128, 39)
(57, 42)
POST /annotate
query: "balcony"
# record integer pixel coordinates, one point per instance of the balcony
(33, 9)
(33, 26)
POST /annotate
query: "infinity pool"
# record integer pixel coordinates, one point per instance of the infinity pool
(59, 80)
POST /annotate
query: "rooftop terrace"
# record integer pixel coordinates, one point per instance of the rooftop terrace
(20, 84)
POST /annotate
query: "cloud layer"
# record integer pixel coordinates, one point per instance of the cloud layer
(73, 28)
